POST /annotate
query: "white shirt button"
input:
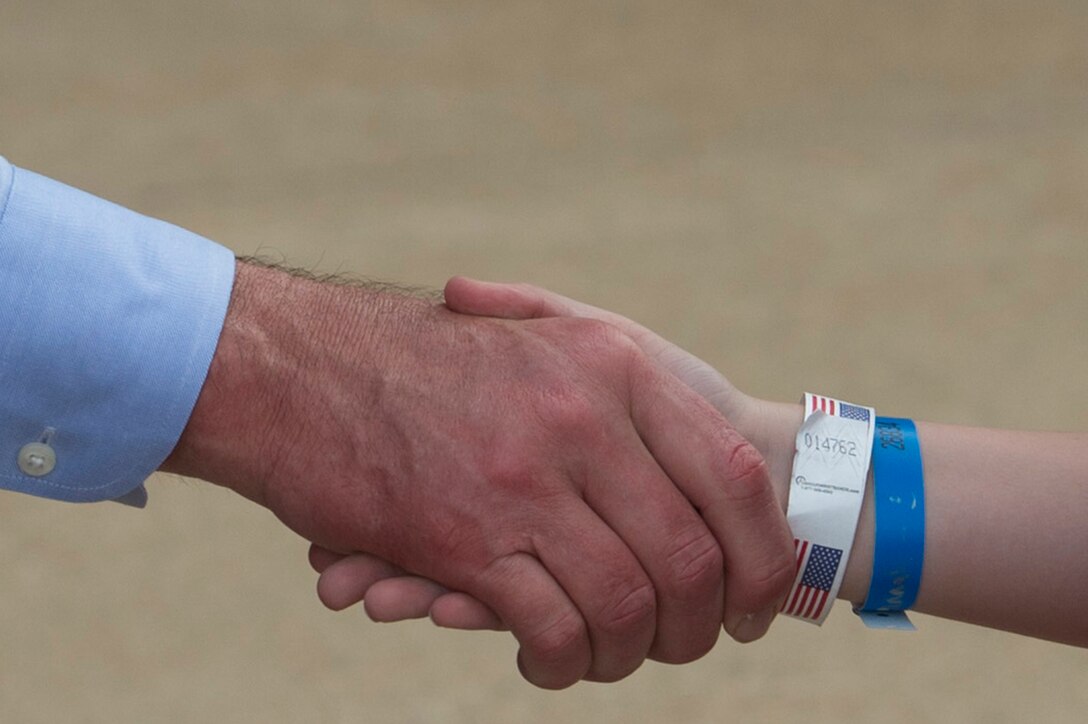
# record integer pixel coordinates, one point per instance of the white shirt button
(37, 459)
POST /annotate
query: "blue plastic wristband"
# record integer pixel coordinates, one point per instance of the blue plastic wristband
(900, 519)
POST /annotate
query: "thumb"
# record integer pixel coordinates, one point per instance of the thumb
(525, 301)
(507, 301)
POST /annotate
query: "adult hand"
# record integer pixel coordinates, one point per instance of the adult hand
(547, 469)
(390, 594)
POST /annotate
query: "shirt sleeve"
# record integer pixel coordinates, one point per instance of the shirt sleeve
(108, 324)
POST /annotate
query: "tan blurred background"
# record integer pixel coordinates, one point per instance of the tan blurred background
(882, 201)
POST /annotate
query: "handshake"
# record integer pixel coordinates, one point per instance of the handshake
(510, 460)
(516, 460)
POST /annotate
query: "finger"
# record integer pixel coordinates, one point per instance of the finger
(752, 576)
(462, 611)
(346, 581)
(509, 301)
(554, 643)
(674, 546)
(608, 585)
(525, 301)
(322, 558)
(401, 598)
(726, 480)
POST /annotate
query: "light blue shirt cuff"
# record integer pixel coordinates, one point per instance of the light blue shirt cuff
(108, 324)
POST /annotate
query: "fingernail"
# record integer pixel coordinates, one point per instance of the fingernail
(754, 625)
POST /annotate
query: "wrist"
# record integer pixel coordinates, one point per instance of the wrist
(293, 352)
(775, 437)
(230, 437)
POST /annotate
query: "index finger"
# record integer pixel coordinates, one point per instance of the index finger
(726, 479)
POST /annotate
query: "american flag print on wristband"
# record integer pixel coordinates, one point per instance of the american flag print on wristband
(817, 566)
(838, 409)
(831, 461)
(853, 412)
(823, 404)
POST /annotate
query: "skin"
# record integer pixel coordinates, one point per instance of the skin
(549, 469)
(1006, 511)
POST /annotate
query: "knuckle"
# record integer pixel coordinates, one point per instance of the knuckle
(566, 412)
(743, 471)
(555, 643)
(695, 565)
(506, 471)
(633, 608)
(517, 470)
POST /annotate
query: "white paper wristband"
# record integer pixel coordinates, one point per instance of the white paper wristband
(827, 486)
